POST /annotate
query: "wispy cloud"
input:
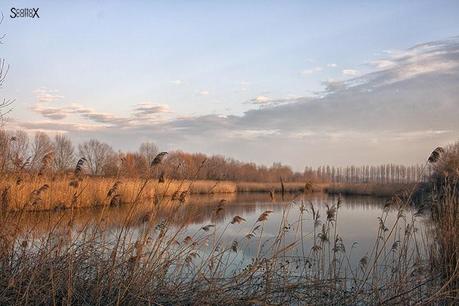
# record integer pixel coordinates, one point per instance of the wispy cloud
(261, 100)
(350, 72)
(383, 63)
(243, 86)
(149, 109)
(54, 113)
(60, 127)
(434, 57)
(310, 71)
(141, 113)
(265, 101)
(45, 95)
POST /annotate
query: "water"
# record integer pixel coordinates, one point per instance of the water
(356, 221)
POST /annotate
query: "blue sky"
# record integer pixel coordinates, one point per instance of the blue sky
(99, 62)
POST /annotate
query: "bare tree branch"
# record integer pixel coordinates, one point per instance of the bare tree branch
(5, 104)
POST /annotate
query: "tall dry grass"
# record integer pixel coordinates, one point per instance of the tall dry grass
(445, 216)
(63, 192)
(33, 192)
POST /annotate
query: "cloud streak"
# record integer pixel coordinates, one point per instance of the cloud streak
(350, 72)
(140, 114)
(310, 71)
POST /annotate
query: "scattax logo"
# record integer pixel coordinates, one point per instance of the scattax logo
(24, 13)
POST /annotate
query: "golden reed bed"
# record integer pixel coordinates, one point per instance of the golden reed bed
(62, 192)
(44, 193)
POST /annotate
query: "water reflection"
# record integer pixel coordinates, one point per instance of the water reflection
(357, 220)
(201, 210)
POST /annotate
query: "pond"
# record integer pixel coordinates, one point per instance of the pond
(248, 225)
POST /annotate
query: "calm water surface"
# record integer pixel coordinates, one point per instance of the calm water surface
(356, 219)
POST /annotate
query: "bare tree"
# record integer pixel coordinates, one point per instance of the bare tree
(64, 153)
(41, 147)
(4, 103)
(19, 150)
(133, 164)
(112, 164)
(149, 151)
(4, 150)
(97, 154)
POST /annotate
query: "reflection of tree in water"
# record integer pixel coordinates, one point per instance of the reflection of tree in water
(199, 209)
(363, 202)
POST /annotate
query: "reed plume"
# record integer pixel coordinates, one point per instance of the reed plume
(264, 216)
(158, 159)
(237, 220)
(435, 155)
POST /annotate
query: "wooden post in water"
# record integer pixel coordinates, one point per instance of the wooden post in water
(282, 188)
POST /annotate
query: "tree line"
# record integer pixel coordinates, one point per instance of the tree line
(383, 174)
(58, 155)
(42, 153)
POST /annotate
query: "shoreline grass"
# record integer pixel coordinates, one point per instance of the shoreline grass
(276, 187)
(445, 216)
(371, 189)
(64, 192)
(48, 193)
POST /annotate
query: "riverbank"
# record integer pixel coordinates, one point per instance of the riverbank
(48, 193)
(276, 187)
(371, 189)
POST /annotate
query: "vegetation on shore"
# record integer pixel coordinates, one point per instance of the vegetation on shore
(45, 193)
(19, 152)
(371, 189)
(276, 187)
(57, 192)
(25, 192)
(51, 160)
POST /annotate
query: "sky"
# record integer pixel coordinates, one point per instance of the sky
(305, 83)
